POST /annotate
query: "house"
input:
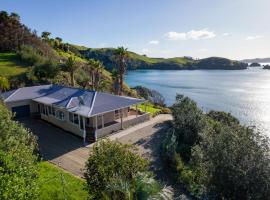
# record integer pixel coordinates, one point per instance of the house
(86, 113)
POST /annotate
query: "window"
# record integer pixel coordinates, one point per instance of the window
(76, 119)
(60, 115)
(70, 116)
(53, 111)
(50, 110)
(43, 109)
(46, 110)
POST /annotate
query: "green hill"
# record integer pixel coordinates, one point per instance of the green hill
(137, 61)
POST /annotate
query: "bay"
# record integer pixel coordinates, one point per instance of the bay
(244, 93)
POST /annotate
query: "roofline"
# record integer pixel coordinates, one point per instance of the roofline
(12, 94)
(92, 105)
(117, 109)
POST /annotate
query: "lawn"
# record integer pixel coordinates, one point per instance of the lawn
(150, 108)
(57, 184)
(10, 65)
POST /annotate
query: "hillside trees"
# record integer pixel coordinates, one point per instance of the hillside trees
(216, 157)
(18, 162)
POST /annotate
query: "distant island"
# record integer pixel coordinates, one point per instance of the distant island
(256, 60)
(255, 64)
(266, 67)
(137, 61)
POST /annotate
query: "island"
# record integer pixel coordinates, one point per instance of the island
(255, 64)
(266, 67)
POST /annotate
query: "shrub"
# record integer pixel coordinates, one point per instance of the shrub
(188, 121)
(109, 163)
(18, 162)
(236, 160)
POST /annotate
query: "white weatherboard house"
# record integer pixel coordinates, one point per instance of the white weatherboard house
(86, 113)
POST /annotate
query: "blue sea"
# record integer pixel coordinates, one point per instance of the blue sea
(244, 93)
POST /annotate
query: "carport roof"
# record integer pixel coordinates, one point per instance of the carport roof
(83, 102)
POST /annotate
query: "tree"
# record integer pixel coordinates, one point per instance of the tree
(144, 187)
(98, 72)
(71, 66)
(152, 95)
(109, 163)
(4, 84)
(121, 55)
(94, 68)
(45, 35)
(236, 159)
(115, 78)
(187, 123)
(18, 162)
(46, 71)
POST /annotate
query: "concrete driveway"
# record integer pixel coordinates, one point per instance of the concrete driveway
(67, 151)
(58, 146)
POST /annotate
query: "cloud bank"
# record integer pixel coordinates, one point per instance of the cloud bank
(190, 35)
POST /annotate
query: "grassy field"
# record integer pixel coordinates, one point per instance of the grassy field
(57, 184)
(150, 108)
(10, 65)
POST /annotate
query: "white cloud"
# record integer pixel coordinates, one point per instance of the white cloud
(225, 34)
(253, 37)
(193, 35)
(153, 42)
(203, 50)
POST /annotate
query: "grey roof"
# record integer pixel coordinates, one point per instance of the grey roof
(83, 102)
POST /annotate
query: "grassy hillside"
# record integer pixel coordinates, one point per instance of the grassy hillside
(55, 183)
(136, 61)
(11, 65)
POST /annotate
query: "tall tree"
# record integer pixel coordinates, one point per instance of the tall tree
(45, 35)
(94, 68)
(72, 66)
(121, 55)
(115, 78)
(98, 72)
(89, 68)
(4, 84)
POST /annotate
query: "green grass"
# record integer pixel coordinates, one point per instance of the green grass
(150, 108)
(52, 187)
(10, 65)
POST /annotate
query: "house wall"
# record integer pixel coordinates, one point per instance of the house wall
(64, 124)
(32, 104)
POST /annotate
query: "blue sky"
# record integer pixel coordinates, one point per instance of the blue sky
(235, 29)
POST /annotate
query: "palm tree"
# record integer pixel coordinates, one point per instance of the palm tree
(98, 72)
(115, 78)
(4, 84)
(94, 68)
(144, 186)
(90, 68)
(121, 55)
(45, 35)
(72, 66)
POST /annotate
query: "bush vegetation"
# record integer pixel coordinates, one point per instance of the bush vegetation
(214, 156)
(115, 171)
(18, 160)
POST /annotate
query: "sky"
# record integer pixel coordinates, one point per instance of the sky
(235, 29)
